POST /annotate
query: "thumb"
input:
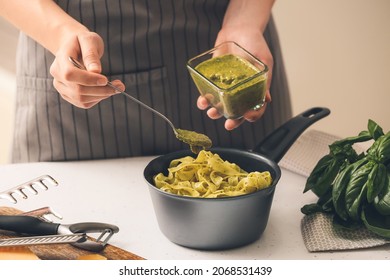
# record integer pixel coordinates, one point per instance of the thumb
(92, 63)
(92, 48)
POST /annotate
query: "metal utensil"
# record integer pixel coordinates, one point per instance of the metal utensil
(44, 213)
(42, 182)
(43, 240)
(35, 226)
(194, 139)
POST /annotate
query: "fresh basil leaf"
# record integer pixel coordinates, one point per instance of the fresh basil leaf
(311, 209)
(338, 192)
(357, 188)
(318, 172)
(376, 181)
(380, 149)
(375, 222)
(382, 201)
(375, 130)
(326, 202)
(362, 137)
(356, 204)
(340, 187)
(345, 225)
(384, 149)
(322, 176)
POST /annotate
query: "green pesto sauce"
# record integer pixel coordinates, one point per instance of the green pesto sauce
(240, 89)
(197, 141)
(227, 70)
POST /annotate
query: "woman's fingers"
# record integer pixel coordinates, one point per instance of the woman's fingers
(250, 116)
(83, 88)
(67, 73)
(92, 48)
(86, 96)
(213, 113)
(202, 103)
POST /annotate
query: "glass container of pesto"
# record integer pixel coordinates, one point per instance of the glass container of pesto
(232, 79)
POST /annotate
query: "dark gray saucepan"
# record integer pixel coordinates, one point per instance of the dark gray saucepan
(224, 223)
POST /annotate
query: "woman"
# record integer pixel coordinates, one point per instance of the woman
(64, 113)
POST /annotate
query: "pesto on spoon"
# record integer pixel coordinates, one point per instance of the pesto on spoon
(197, 141)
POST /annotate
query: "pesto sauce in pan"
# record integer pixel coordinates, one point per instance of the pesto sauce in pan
(197, 141)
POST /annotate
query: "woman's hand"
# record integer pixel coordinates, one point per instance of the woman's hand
(63, 36)
(244, 23)
(82, 88)
(255, 44)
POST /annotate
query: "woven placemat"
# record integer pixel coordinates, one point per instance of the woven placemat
(318, 231)
(319, 234)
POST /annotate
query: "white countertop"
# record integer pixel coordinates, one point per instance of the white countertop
(114, 191)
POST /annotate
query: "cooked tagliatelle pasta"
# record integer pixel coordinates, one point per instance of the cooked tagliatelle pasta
(209, 176)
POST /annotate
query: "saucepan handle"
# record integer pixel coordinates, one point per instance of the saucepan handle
(276, 144)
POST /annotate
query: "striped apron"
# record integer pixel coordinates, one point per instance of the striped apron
(147, 45)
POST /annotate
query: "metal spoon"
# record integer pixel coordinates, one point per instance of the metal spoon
(197, 141)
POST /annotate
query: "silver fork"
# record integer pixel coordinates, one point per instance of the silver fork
(43, 182)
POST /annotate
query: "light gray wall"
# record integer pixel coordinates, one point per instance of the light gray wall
(337, 54)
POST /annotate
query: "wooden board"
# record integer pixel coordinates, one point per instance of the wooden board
(66, 251)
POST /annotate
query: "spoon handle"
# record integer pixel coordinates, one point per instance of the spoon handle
(143, 105)
(80, 66)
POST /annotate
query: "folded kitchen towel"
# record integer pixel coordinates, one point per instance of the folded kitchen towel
(319, 234)
(309, 148)
(306, 151)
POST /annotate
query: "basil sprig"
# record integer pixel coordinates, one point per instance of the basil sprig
(354, 188)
